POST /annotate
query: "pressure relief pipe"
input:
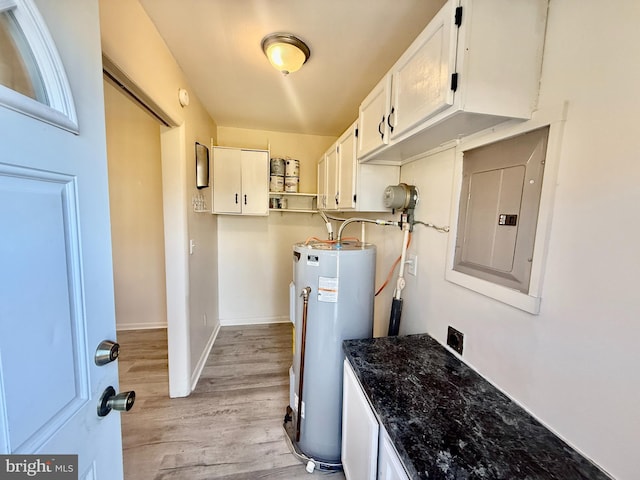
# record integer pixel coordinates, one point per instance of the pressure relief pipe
(306, 291)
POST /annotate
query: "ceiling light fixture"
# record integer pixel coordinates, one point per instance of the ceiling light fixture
(286, 52)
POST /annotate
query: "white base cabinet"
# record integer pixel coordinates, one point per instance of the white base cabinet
(389, 465)
(240, 183)
(367, 452)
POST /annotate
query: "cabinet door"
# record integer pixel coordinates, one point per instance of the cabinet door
(332, 178)
(359, 431)
(372, 119)
(347, 169)
(255, 182)
(389, 464)
(322, 183)
(421, 84)
(227, 180)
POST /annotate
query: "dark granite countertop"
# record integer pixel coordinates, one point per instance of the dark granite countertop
(448, 423)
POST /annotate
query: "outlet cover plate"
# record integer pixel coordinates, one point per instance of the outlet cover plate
(455, 339)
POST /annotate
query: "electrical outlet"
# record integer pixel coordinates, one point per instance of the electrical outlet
(412, 264)
(455, 339)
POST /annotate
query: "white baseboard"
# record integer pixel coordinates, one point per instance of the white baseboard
(195, 376)
(140, 326)
(226, 322)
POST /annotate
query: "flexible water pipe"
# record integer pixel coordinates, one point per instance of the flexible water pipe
(396, 304)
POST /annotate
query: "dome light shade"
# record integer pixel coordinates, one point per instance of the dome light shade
(286, 52)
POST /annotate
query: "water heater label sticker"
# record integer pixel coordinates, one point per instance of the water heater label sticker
(313, 260)
(328, 289)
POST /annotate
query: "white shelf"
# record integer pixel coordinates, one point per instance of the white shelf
(296, 202)
(293, 210)
(291, 194)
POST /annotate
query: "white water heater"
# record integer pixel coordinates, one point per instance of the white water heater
(332, 298)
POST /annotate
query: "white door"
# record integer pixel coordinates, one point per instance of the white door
(56, 283)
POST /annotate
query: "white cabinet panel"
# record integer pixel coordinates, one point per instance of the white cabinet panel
(372, 119)
(346, 148)
(421, 80)
(322, 182)
(359, 431)
(255, 182)
(332, 178)
(389, 464)
(227, 180)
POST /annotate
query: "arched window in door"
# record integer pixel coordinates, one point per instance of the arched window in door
(32, 77)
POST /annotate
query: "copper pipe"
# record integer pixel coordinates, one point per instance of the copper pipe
(305, 304)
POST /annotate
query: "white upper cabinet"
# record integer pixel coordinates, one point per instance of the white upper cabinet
(421, 80)
(240, 181)
(331, 182)
(346, 149)
(346, 185)
(372, 118)
(476, 64)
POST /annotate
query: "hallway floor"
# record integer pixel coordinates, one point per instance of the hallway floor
(229, 428)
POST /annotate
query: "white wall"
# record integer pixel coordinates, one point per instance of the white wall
(131, 42)
(574, 366)
(255, 253)
(135, 200)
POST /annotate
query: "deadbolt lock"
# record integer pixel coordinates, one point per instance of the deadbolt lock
(121, 402)
(106, 352)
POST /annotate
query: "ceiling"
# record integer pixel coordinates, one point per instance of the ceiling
(353, 43)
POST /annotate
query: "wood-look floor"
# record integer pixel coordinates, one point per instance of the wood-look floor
(229, 428)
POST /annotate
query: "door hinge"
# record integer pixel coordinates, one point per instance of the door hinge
(458, 16)
(454, 81)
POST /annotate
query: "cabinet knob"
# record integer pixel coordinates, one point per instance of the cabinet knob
(245, 199)
(236, 198)
(380, 125)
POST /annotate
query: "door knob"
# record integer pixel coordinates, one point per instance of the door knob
(121, 402)
(106, 352)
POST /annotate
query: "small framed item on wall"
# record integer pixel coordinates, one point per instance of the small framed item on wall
(202, 166)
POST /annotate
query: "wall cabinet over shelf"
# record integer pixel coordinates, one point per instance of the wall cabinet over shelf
(240, 181)
(476, 64)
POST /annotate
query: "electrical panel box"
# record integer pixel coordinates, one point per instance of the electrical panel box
(498, 211)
